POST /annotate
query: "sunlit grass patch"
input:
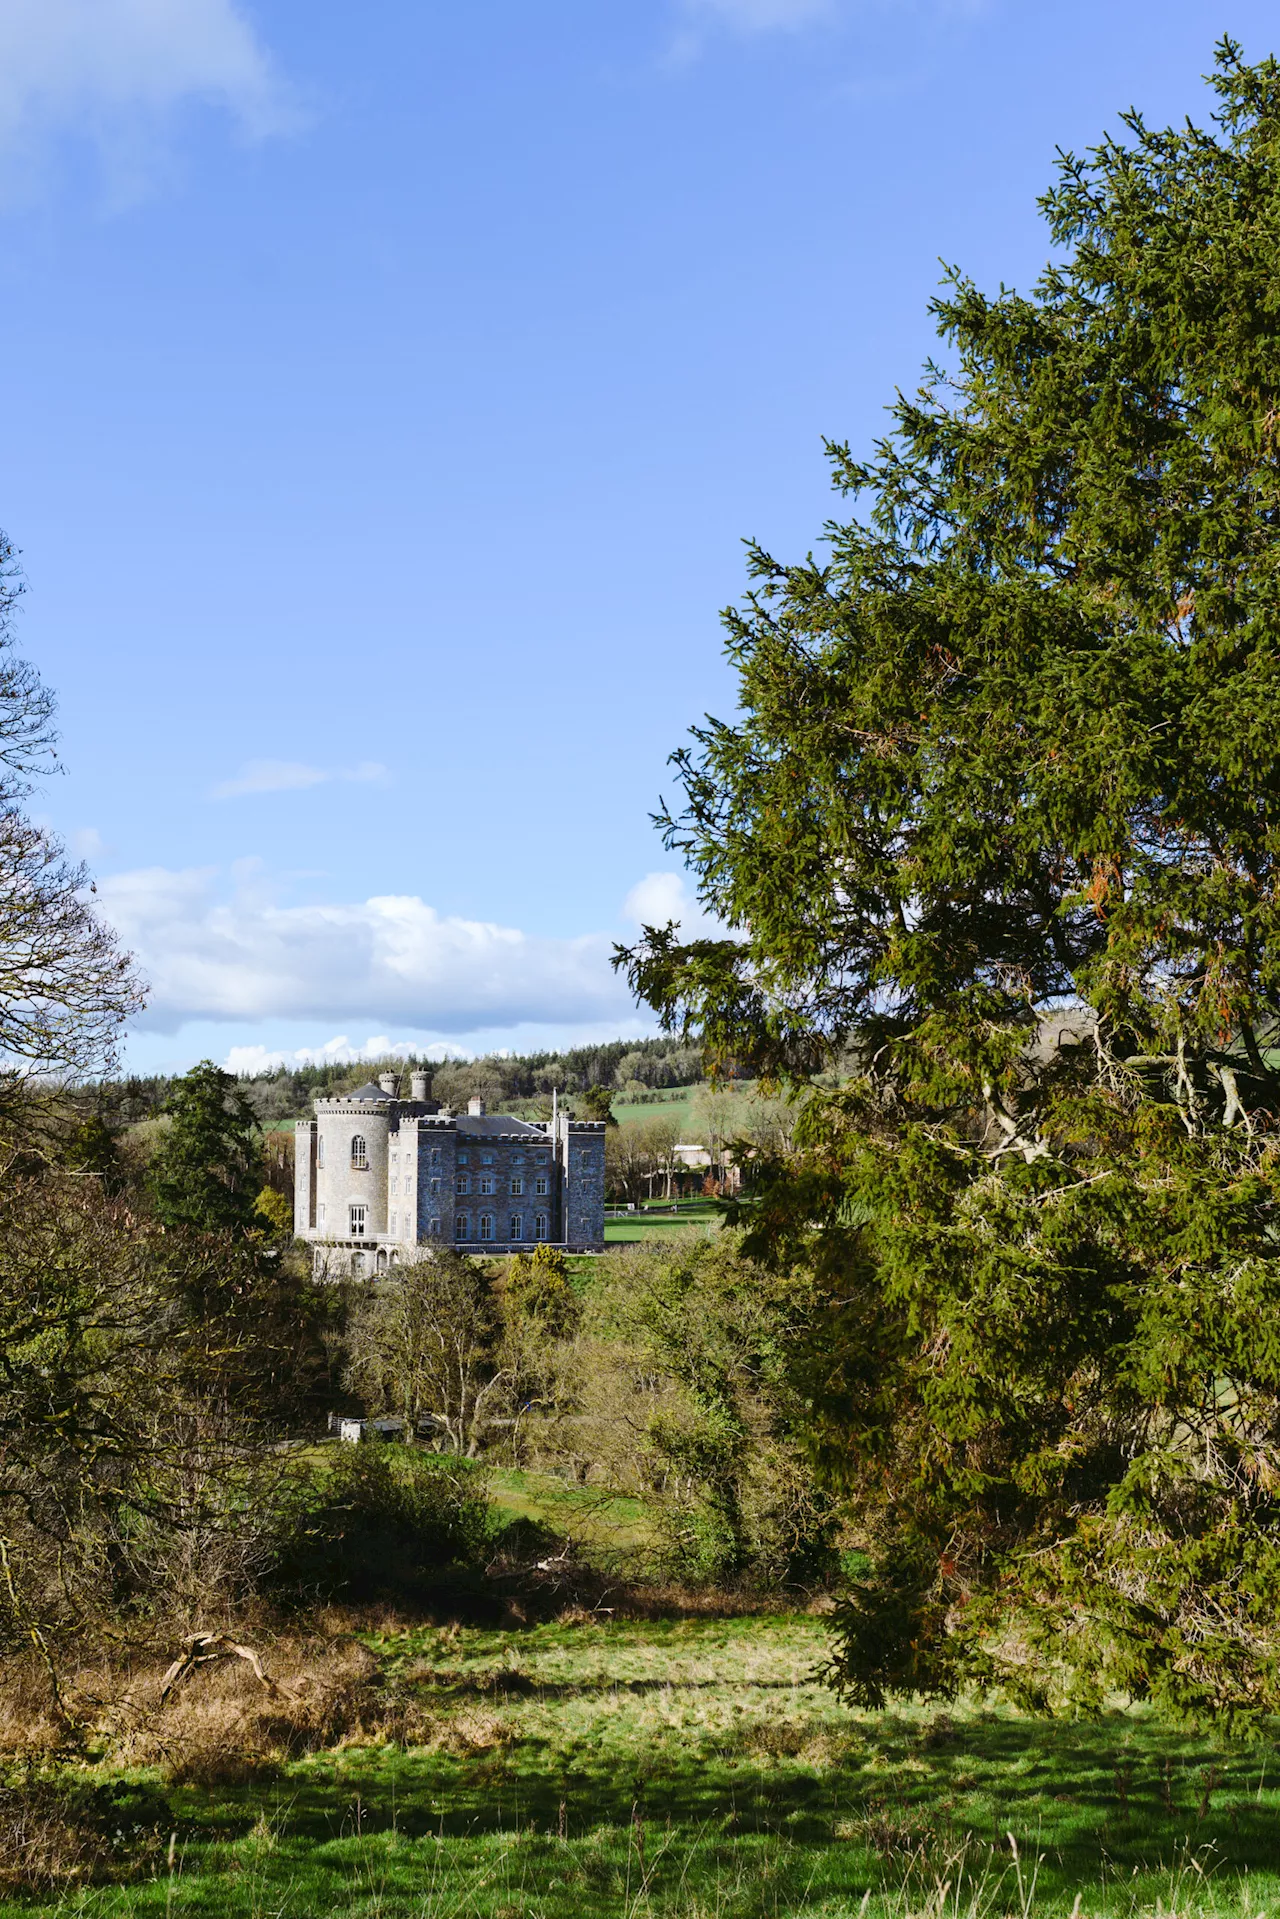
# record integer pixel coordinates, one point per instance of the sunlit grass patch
(696, 1766)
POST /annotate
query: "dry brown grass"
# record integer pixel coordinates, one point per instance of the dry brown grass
(221, 1726)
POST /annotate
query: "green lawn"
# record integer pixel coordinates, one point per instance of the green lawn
(672, 1105)
(695, 1766)
(658, 1221)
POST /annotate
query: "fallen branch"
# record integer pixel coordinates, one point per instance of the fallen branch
(199, 1649)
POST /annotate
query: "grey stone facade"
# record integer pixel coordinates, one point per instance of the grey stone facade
(377, 1177)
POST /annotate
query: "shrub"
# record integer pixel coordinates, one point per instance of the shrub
(375, 1522)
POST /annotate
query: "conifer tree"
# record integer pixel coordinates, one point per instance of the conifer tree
(998, 827)
(207, 1171)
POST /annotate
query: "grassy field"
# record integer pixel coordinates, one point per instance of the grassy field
(658, 1221)
(695, 1766)
(673, 1104)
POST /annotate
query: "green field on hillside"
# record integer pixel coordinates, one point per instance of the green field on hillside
(672, 1104)
(692, 1766)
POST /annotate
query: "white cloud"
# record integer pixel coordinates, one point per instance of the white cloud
(290, 776)
(660, 897)
(250, 1061)
(86, 843)
(392, 959)
(108, 68)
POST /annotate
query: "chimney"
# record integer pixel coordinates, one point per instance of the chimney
(475, 1106)
(389, 1082)
(420, 1086)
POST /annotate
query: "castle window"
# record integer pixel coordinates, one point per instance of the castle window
(357, 1220)
(320, 1150)
(357, 1265)
(464, 1158)
(320, 1214)
(517, 1159)
(395, 1187)
(486, 1225)
(359, 1154)
(517, 1225)
(435, 1155)
(435, 1188)
(435, 1229)
(517, 1185)
(393, 1223)
(460, 1226)
(486, 1159)
(540, 1188)
(486, 1182)
(462, 1184)
(540, 1226)
(395, 1161)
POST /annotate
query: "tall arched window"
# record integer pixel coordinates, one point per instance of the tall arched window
(359, 1153)
(460, 1226)
(320, 1150)
(540, 1226)
(517, 1225)
(486, 1225)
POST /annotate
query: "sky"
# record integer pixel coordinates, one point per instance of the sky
(390, 389)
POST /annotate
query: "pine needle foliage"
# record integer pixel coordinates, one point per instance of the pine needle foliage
(998, 825)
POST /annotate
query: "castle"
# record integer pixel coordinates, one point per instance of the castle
(377, 1176)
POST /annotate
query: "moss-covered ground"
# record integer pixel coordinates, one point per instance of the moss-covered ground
(697, 1766)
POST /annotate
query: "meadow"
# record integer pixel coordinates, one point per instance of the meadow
(636, 1754)
(659, 1220)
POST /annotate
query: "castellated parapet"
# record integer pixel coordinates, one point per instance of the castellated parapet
(378, 1177)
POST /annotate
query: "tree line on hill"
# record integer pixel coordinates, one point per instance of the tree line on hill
(993, 842)
(634, 1068)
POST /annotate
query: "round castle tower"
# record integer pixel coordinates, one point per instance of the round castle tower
(352, 1145)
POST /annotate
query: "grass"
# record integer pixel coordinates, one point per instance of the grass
(673, 1103)
(596, 1520)
(696, 1766)
(656, 1220)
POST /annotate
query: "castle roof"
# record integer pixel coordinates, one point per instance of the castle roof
(364, 1094)
(492, 1125)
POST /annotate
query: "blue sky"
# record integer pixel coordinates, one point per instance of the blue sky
(389, 390)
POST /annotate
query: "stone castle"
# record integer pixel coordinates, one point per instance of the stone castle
(377, 1176)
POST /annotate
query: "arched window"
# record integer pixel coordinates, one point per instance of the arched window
(382, 1260)
(517, 1225)
(320, 1150)
(359, 1154)
(540, 1226)
(460, 1226)
(486, 1225)
(356, 1221)
(357, 1265)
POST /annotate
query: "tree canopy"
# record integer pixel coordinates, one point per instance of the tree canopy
(997, 824)
(207, 1171)
(66, 985)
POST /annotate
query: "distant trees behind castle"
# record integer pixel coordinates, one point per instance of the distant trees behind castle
(631, 1069)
